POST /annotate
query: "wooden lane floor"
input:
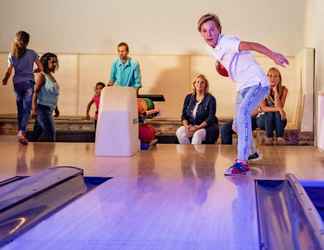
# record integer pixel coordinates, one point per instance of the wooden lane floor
(173, 197)
(151, 213)
(166, 160)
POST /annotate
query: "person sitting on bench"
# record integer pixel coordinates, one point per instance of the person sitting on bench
(200, 124)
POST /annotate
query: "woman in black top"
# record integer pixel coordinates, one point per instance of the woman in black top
(200, 124)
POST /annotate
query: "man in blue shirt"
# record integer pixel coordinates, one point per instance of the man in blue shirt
(125, 71)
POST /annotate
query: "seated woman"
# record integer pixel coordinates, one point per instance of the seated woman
(273, 117)
(198, 115)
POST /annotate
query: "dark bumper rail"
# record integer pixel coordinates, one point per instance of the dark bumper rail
(287, 218)
(26, 201)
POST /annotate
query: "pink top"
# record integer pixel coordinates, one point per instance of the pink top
(96, 100)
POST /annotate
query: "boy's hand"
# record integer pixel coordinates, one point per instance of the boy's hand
(280, 59)
(110, 83)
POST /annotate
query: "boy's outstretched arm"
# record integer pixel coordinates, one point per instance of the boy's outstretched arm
(276, 57)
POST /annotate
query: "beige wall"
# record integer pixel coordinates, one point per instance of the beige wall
(314, 37)
(167, 75)
(151, 27)
(162, 36)
(7, 97)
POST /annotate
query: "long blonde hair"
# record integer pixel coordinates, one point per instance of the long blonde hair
(194, 81)
(19, 46)
(279, 86)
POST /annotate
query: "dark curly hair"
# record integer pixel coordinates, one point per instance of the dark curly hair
(44, 60)
(100, 84)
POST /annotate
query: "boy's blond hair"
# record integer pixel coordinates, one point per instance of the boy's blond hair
(209, 17)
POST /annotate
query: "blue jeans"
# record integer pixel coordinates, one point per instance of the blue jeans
(24, 97)
(246, 101)
(227, 131)
(271, 121)
(44, 125)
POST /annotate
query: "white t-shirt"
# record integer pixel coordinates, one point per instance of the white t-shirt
(241, 65)
(194, 112)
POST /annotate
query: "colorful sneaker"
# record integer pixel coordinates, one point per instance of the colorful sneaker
(255, 157)
(237, 168)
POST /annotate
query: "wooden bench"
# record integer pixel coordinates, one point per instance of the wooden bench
(77, 129)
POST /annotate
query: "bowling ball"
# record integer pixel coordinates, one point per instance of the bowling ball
(146, 133)
(141, 106)
(221, 69)
(149, 103)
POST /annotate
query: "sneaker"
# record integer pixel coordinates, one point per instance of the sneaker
(267, 141)
(281, 141)
(22, 139)
(237, 168)
(255, 157)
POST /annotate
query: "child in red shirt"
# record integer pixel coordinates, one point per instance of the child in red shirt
(96, 100)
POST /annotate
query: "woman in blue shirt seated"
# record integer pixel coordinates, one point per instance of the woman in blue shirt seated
(200, 124)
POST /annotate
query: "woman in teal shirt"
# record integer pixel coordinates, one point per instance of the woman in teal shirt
(45, 98)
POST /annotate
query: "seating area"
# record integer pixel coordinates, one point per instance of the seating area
(78, 129)
(170, 76)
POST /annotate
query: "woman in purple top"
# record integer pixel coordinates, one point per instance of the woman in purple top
(22, 60)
